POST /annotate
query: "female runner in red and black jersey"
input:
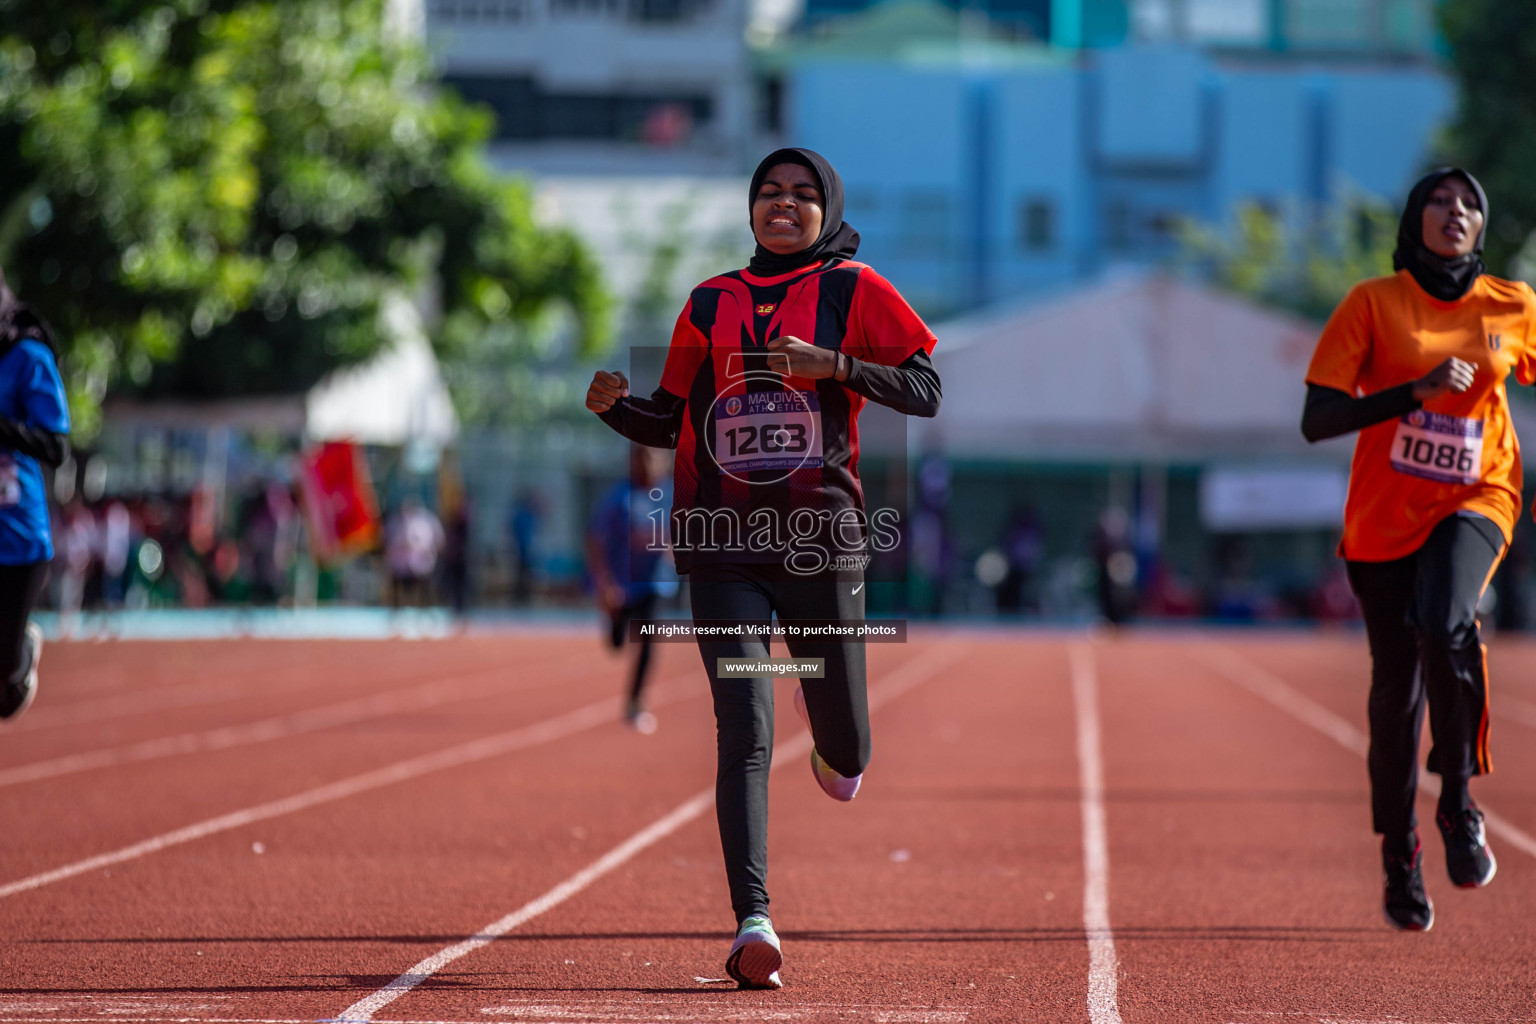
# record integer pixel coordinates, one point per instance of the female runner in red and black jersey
(767, 371)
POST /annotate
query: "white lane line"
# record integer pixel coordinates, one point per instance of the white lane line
(1103, 966)
(280, 679)
(597, 713)
(1269, 687)
(898, 682)
(83, 712)
(470, 686)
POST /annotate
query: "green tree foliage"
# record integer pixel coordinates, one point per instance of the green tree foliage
(211, 197)
(1492, 47)
(1305, 271)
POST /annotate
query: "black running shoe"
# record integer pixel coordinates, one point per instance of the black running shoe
(1468, 860)
(1406, 904)
(15, 696)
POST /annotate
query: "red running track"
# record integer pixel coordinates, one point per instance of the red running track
(1074, 827)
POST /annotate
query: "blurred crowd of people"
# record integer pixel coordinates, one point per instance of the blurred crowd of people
(139, 551)
(144, 551)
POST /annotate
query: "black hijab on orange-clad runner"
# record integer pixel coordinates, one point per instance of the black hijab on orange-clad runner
(837, 239)
(1447, 280)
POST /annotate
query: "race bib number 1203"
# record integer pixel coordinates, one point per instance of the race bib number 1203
(767, 430)
(1447, 449)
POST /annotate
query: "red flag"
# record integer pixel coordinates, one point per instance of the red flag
(339, 501)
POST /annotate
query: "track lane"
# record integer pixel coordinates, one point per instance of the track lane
(1242, 890)
(1248, 882)
(948, 891)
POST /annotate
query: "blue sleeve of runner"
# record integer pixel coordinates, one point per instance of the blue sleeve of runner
(42, 390)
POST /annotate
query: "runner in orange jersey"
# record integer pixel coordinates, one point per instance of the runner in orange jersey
(1416, 362)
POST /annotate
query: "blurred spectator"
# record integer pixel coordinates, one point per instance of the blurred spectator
(270, 528)
(1022, 546)
(413, 541)
(524, 525)
(1333, 600)
(77, 546)
(456, 557)
(116, 545)
(1116, 565)
(933, 551)
(1238, 596)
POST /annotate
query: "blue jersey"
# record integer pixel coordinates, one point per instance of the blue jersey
(32, 394)
(631, 526)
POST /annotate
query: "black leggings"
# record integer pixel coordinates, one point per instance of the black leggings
(1421, 621)
(20, 586)
(837, 704)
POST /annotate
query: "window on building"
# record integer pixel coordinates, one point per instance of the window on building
(525, 112)
(1037, 224)
(587, 8)
(1232, 22)
(1118, 230)
(926, 225)
(1326, 23)
(860, 201)
(478, 11)
(771, 103)
(666, 10)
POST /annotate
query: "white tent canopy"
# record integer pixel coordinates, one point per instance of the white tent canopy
(396, 398)
(1140, 367)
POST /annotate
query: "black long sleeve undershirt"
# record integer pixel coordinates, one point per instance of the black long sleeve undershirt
(912, 388)
(1330, 412)
(43, 445)
(656, 421)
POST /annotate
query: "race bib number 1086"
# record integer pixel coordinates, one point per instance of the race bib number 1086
(1447, 449)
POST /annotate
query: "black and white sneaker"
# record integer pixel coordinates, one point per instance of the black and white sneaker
(1468, 860)
(15, 697)
(1405, 903)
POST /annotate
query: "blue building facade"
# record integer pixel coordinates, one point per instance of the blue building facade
(978, 183)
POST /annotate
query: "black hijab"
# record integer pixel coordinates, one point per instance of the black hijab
(1447, 280)
(837, 239)
(19, 320)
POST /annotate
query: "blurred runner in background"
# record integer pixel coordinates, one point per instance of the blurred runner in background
(627, 555)
(34, 424)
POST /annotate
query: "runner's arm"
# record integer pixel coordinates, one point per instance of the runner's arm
(912, 388)
(43, 445)
(1331, 413)
(655, 422)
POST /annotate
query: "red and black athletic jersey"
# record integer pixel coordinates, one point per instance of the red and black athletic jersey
(748, 439)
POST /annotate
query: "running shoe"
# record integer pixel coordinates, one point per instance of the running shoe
(755, 956)
(15, 697)
(640, 720)
(1467, 858)
(1406, 904)
(836, 786)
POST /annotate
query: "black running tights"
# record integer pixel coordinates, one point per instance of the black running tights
(1421, 622)
(837, 704)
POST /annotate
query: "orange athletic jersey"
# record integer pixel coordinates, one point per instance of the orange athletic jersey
(1460, 451)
